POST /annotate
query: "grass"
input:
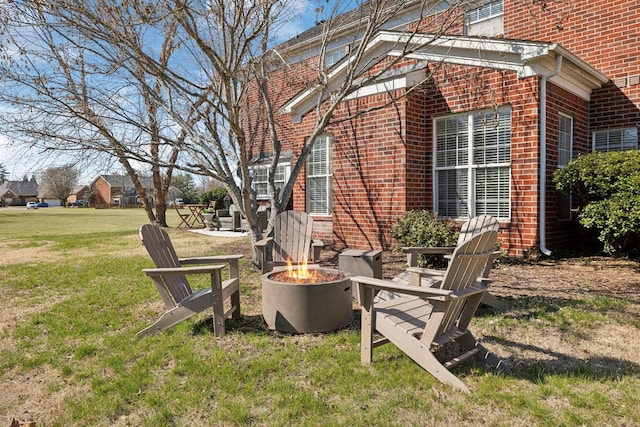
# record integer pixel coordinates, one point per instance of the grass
(74, 297)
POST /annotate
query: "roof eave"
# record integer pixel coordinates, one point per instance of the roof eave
(527, 58)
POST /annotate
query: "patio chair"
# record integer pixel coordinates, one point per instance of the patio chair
(428, 277)
(228, 218)
(170, 279)
(421, 320)
(184, 217)
(291, 241)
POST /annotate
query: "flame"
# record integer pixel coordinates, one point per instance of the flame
(301, 272)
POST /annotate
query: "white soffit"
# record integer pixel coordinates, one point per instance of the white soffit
(527, 59)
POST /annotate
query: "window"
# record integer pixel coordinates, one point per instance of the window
(261, 179)
(319, 173)
(615, 140)
(485, 20)
(487, 9)
(565, 152)
(334, 56)
(473, 164)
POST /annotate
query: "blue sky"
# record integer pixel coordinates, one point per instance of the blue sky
(20, 161)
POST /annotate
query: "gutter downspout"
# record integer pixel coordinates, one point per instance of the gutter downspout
(542, 215)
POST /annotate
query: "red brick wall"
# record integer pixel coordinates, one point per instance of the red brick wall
(369, 176)
(562, 233)
(604, 33)
(463, 89)
(369, 159)
(102, 190)
(383, 160)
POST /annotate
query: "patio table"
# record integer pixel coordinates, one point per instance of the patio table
(196, 220)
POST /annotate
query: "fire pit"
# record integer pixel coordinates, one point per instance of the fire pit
(301, 299)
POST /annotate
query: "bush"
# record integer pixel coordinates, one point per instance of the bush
(424, 229)
(217, 195)
(605, 188)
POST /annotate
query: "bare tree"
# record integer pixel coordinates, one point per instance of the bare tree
(240, 55)
(58, 182)
(69, 89)
(147, 80)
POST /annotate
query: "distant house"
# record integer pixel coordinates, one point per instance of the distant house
(119, 191)
(18, 193)
(174, 193)
(79, 193)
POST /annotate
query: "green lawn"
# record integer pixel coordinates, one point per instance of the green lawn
(74, 296)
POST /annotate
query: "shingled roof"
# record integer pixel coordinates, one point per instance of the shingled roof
(20, 188)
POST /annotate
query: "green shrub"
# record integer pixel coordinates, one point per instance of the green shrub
(217, 195)
(424, 229)
(605, 187)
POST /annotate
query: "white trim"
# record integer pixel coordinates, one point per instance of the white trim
(527, 59)
(328, 176)
(287, 174)
(406, 81)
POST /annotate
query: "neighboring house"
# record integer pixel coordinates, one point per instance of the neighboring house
(174, 193)
(520, 92)
(79, 193)
(119, 191)
(18, 193)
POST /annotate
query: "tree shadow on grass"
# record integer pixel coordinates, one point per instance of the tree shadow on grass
(245, 325)
(538, 361)
(546, 362)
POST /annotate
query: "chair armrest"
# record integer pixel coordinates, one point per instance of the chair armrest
(262, 243)
(416, 274)
(261, 247)
(210, 259)
(177, 271)
(414, 251)
(230, 260)
(385, 285)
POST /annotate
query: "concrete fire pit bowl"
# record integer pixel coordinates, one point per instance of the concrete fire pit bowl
(307, 307)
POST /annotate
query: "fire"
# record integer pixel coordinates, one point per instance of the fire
(301, 272)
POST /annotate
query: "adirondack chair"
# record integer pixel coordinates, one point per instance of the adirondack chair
(170, 279)
(427, 277)
(291, 241)
(422, 320)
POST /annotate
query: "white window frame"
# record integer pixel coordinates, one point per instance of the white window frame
(333, 56)
(486, 20)
(617, 139)
(320, 170)
(488, 10)
(283, 169)
(565, 154)
(461, 161)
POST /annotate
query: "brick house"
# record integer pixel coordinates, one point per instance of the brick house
(520, 91)
(18, 193)
(78, 194)
(118, 191)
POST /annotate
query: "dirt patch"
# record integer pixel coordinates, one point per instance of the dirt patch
(570, 278)
(606, 346)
